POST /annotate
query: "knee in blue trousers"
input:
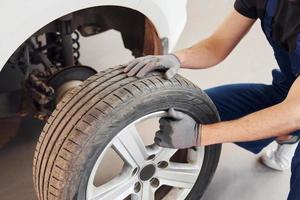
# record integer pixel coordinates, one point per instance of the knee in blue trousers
(237, 100)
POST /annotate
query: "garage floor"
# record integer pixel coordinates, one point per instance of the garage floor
(239, 176)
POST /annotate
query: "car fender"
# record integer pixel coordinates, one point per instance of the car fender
(21, 19)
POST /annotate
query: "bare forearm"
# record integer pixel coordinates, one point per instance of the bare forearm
(200, 56)
(278, 120)
(218, 46)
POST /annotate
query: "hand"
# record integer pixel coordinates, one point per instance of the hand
(143, 65)
(178, 131)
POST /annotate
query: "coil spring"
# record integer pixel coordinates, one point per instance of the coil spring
(57, 60)
(76, 46)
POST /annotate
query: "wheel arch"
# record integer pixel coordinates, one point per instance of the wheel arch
(29, 23)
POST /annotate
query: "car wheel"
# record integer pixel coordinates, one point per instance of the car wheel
(98, 143)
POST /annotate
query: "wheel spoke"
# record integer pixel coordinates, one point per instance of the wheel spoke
(179, 175)
(117, 188)
(196, 157)
(164, 154)
(179, 193)
(130, 147)
(147, 191)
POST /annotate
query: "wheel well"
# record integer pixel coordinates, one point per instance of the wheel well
(138, 33)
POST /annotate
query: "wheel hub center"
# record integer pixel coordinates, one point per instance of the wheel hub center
(147, 172)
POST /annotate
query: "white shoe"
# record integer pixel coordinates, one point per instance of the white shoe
(279, 158)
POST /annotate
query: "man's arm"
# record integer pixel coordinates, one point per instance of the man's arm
(204, 54)
(278, 120)
(218, 46)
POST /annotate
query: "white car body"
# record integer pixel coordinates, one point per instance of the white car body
(21, 19)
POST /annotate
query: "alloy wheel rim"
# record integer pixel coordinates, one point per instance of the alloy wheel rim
(145, 169)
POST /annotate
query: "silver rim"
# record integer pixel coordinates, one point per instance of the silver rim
(145, 168)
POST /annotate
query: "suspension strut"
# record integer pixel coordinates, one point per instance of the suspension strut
(66, 30)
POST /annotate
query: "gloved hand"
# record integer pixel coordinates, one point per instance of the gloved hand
(143, 65)
(178, 131)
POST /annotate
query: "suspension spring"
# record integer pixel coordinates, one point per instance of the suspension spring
(76, 46)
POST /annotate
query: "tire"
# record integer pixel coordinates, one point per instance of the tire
(90, 116)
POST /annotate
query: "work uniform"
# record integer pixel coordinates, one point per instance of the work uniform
(280, 20)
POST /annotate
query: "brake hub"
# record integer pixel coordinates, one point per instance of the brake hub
(147, 172)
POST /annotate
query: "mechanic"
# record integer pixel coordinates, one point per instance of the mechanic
(252, 115)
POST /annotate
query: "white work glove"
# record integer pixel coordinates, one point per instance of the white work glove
(141, 66)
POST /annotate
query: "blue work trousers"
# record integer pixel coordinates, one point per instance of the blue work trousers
(237, 100)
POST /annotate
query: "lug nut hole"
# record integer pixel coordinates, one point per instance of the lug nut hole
(135, 171)
(162, 164)
(154, 182)
(151, 157)
(137, 187)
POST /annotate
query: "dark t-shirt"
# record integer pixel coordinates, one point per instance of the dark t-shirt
(286, 23)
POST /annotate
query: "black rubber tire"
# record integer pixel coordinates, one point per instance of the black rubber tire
(91, 115)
